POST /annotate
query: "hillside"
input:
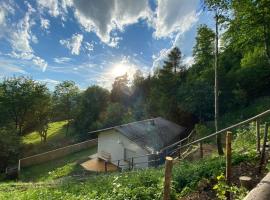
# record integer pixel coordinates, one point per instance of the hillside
(56, 138)
(189, 177)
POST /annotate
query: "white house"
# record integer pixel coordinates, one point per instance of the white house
(130, 144)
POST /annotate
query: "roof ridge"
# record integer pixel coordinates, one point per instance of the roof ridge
(113, 127)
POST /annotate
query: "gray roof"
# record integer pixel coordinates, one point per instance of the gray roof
(152, 134)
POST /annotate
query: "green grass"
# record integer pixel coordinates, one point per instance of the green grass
(56, 138)
(141, 184)
(57, 168)
(55, 131)
(136, 185)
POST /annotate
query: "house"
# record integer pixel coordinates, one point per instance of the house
(134, 143)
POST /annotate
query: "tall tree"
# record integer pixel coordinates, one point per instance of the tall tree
(250, 26)
(93, 102)
(203, 51)
(65, 96)
(219, 7)
(120, 90)
(174, 60)
(42, 116)
(20, 97)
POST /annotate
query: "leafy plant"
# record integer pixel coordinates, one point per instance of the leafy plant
(223, 189)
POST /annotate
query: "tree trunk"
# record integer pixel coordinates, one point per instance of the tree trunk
(218, 137)
(67, 128)
(266, 42)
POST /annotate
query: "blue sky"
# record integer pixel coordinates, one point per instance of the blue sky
(93, 41)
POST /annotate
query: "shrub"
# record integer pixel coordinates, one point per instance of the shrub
(9, 145)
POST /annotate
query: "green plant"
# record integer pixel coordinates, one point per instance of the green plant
(223, 189)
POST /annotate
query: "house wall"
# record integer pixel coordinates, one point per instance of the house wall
(113, 142)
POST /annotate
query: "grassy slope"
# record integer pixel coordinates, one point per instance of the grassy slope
(56, 138)
(143, 184)
(57, 168)
(55, 131)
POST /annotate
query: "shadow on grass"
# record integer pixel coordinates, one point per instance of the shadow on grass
(68, 165)
(56, 138)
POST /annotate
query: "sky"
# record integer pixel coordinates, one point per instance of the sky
(93, 41)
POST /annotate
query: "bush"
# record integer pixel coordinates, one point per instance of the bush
(9, 145)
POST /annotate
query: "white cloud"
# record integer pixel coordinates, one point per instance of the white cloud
(158, 60)
(89, 46)
(54, 7)
(73, 44)
(20, 39)
(103, 16)
(175, 16)
(9, 68)
(51, 5)
(51, 83)
(62, 60)
(44, 23)
(40, 62)
(188, 61)
(2, 16)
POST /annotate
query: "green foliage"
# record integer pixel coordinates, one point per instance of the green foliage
(92, 103)
(65, 98)
(222, 188)
(21, 99)
(9, 145)
(68, 165)
(203, 51)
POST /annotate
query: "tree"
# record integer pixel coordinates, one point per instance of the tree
(219, 7)
(20, 96)
(203, 51)
(196, 97)
(250, 26)
(43, 115)
(9, 145)
(93, 102)
(65, 97)
(114, 115)
(174, 60)
(120, 91)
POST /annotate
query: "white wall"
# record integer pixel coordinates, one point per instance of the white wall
(113, 142)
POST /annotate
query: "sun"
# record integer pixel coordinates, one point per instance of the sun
(119, 69)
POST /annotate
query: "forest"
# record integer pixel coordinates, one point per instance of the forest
(235, 56)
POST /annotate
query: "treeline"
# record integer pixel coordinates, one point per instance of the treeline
(183, 94)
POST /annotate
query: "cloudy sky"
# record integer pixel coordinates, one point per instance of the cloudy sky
(93, 41)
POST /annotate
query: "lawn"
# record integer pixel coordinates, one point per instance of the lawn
(58, 168)
(56, 131)
(56, 138)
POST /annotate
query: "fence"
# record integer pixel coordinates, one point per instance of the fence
(166, 154)
(57, 153)
(257, 118)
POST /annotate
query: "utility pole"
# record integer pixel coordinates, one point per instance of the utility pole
(218, 137)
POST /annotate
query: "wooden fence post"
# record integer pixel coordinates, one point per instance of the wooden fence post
(179, 152)
(228, 160)
(258, 136)
(168, 176)
(132, 163)
(201, 150)
(106, 167)
(262, 161)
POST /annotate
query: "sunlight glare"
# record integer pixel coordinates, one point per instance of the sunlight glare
(119, 69)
